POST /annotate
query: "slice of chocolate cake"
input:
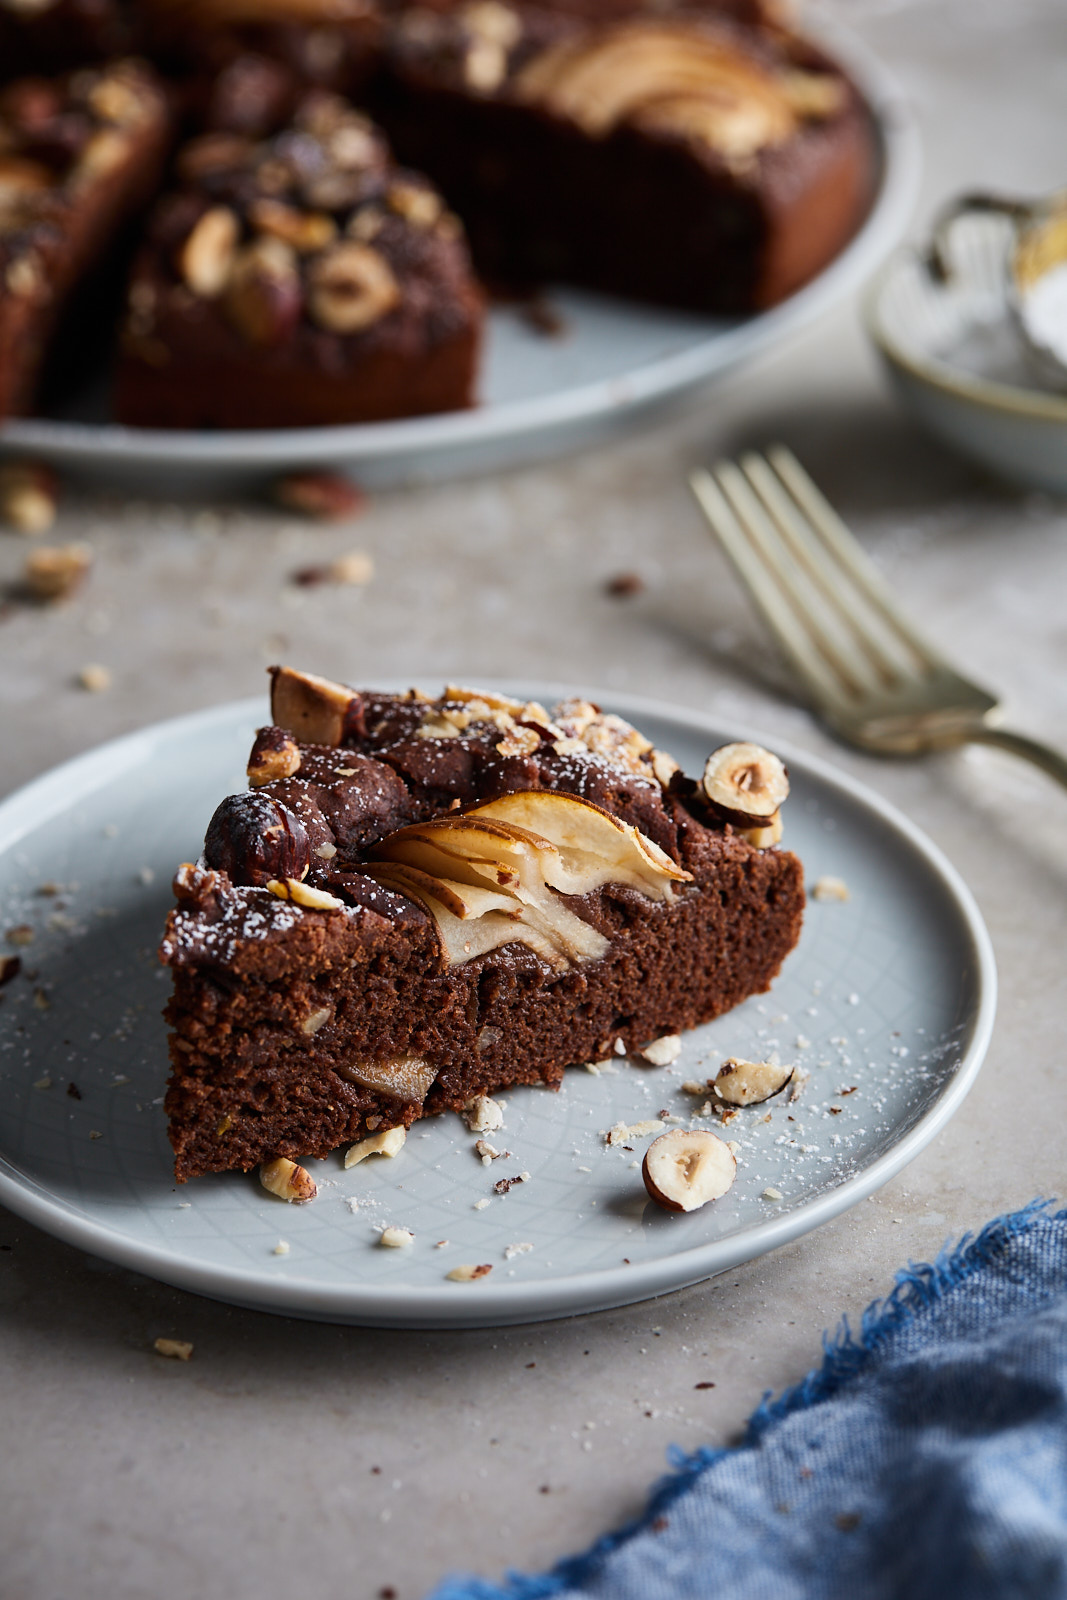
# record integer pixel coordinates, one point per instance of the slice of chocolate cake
(421, 901)
(79, 155)
(299, 281)
(680, 156)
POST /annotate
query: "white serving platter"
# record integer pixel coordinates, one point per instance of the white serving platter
(619, 363)
(889, 996)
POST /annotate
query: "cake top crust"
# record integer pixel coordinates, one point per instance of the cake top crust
(311, 235)
(454, 819)
(731, 93)
(60, 140)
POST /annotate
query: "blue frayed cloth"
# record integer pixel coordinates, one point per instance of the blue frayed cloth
(926, 1459)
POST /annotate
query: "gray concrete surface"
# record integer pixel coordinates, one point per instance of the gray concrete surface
(287, 1455)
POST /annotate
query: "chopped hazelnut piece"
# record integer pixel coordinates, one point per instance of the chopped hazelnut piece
(206, 259)
(828, 888)
(53, 572)
(624, 584)
(661, 1052)
(763, 838)
(483, 1115)
(747, 1083)
(356, 568)
(388, 1143)
(624, 1133)
(274, 755)
(467, 1274)
(326, 496)
(306, 231)
(94, 677)
(27, 496)
(304, 894)
(397, 1238)
(288, 1181)
(314, 709)
(174, 1349)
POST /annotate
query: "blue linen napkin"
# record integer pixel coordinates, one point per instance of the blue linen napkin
(925, 1459)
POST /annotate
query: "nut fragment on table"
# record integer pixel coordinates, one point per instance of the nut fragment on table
(27, 496)
(748, 1083)
(174, 1349)
(355, 570)
(326, 496)
(287, 1180)
(95, 677)
(685, 1169)
(54, 571)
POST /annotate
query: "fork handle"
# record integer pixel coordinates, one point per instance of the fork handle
(1019, 744)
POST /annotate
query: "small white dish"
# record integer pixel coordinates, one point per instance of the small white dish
(619, 364)
(888, 1002)
(952, 346)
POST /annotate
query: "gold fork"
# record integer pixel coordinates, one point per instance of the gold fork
(868, 673)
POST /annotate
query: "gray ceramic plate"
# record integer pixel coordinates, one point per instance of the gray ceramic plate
(889, 996)
(619, 362)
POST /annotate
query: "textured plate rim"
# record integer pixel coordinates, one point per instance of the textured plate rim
(936, 372)
(497, 1303)
(900, 153)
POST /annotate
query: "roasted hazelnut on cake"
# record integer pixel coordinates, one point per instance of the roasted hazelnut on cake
(421, 901)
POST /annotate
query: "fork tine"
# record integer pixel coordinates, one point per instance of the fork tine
(843, 545)
(801, 595)
(840, 600)
(757, 574)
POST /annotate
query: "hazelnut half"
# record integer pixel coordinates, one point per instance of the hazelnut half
(745, 783)
(350, 287)
(683, 1170)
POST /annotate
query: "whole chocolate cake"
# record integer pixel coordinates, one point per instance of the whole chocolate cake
(421, 901)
